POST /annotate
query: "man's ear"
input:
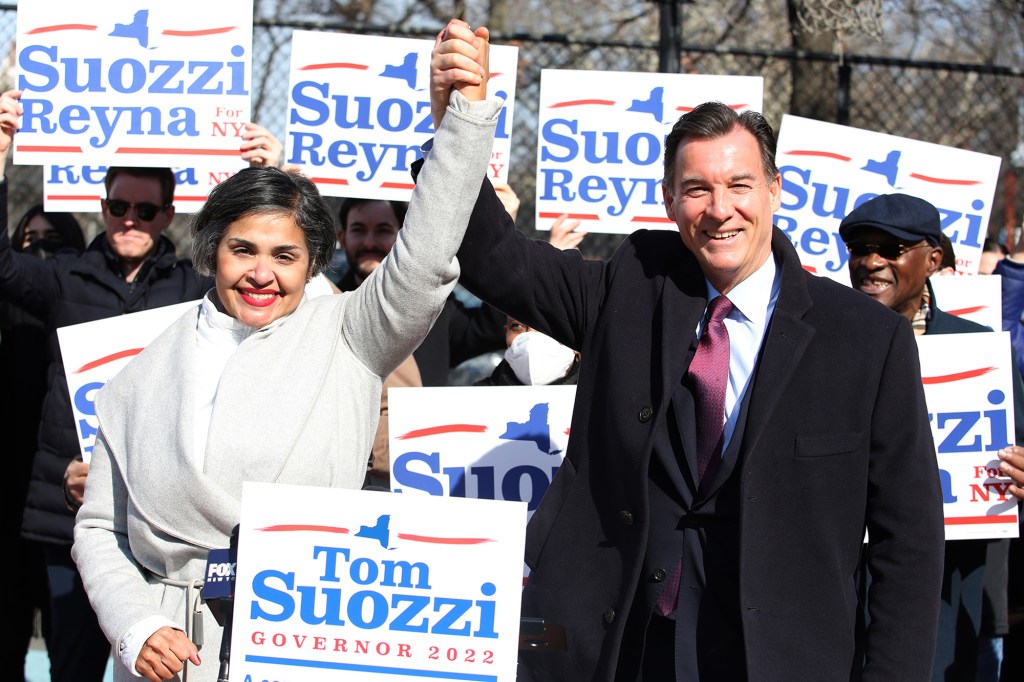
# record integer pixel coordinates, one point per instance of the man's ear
(934, 259)
(670, 206)
(341, 238)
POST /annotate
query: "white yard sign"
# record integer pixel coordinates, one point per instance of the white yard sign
(359, 110)
(829, 169)
(601, 137)
(490, 442)
(356, 585)
(975, 298)
(78, 189)
(94, 352)
(119, 82)
(967, 384)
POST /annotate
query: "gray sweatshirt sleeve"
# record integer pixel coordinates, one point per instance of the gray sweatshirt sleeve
(395, 307)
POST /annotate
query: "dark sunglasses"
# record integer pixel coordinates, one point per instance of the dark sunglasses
(145, 211)
(891, 251)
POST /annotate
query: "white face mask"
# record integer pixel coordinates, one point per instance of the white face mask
(537, 359)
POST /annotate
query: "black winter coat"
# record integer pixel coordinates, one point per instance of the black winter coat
(69, 289)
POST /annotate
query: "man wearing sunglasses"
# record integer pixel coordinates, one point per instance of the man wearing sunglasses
(130, 267)
(895, 245)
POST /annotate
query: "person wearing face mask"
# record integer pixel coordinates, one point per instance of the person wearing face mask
(23, 361)
(533, 359)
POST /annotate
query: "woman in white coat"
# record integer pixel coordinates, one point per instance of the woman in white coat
(258, 384)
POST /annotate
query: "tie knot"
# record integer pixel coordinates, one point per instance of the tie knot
(719, 309)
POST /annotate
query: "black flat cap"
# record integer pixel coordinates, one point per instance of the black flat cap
(901, 215)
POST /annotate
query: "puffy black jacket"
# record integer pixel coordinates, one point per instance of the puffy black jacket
(69, 289)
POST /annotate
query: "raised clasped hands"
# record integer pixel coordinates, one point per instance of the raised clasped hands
(459, 60)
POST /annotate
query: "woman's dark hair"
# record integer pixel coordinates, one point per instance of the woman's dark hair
(263, 190)
(71, 236)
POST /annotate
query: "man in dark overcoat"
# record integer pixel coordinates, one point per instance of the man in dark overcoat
(690, 539)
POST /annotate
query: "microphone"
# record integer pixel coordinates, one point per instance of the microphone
(219, 594)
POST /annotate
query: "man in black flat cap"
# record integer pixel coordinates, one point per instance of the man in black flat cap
(895, 245)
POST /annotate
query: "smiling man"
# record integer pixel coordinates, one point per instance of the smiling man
(895, 245)
(739, 424)
(130, 267)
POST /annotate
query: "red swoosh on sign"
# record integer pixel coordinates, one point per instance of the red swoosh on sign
(62, 27)
(444, 541)
(287, 528)
(334, 65)
(198, 32)
(48, 148)
(811, 152)
(649, 219)
(575, 216)
(944, 181)
(947, 378)
(330, 181)
(734, 107)
(446, 428)
(580, 102)
(967, 311)
(108, 359)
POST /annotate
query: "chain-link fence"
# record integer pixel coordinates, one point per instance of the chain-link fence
(973, 107)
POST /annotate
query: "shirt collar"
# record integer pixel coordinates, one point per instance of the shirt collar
(752, 296)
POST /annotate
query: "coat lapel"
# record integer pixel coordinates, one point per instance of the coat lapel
(682, 304)
(784, 344)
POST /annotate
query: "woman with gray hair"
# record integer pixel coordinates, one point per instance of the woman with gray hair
(257, 384)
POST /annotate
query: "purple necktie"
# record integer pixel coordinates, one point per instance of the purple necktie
(709, 372)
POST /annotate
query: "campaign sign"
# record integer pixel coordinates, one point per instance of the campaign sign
(78, 189)
(359, 110)
(94, 352)
(828, 170)
(491, 442)
(120, 82)
(969, 391)
(358, 585)
(975, 298)
(601, 138)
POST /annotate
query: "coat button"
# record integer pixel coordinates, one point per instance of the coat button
(645, 415)
(609, 616)
(627, 518)
(658, 575)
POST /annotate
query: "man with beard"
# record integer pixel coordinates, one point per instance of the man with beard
(368, 230)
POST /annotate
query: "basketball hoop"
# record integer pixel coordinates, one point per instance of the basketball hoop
(843, 16)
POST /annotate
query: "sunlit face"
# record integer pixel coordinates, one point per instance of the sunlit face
(262, 268)
(134, 239)
(723, 205)
(371, 232)
(899, 283)
(38, 229)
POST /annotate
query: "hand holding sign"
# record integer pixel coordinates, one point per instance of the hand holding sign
(1013, 466)
(459, 60)
(259, 146)
(10, 110)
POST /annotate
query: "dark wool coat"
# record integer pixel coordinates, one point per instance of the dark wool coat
(69, 289)
(836, 442)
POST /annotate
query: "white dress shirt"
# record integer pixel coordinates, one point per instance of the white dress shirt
(753, 302)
